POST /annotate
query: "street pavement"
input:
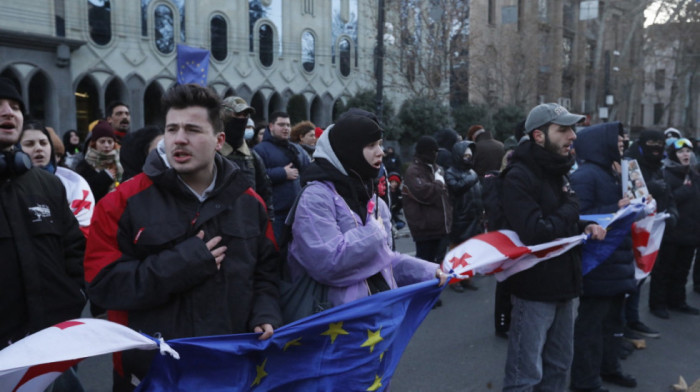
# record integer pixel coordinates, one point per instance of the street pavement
(455, 349)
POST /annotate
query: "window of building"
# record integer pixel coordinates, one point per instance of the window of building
(542, 10)
(265, 44)
(59, 9)
(658, 113)
(660, 79)
(164, 28)
(308, 51)
(567, 43)
(344, 51)
(492, 12)
(100, 21)
(509, 14)
(219, 45)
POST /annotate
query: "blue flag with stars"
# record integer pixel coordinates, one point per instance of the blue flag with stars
(192, 65)
(352, 347)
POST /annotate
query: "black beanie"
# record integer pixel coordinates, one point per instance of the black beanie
(348, 138)
(426, 148)
(8, 90)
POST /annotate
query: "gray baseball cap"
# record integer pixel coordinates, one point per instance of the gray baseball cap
(551, 113)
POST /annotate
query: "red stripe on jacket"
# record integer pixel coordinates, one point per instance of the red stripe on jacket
(269, 232)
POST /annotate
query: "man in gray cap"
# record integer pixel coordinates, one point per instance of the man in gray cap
(539, 206)
(235, 114)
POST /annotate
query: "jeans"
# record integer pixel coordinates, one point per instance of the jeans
(631, 312)
(540, 345)
(597, 336)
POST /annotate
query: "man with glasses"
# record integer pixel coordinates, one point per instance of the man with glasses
(283, 161)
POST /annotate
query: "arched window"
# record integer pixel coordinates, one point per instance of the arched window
(100, 21)
(344, 50)
(265, 35)
(164, 29)
(308, 51)
(219, 46)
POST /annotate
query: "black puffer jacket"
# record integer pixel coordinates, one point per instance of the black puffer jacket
(599, 189)
(145, 263)
(687, 200)
(42, 255)
(540, 207)
(465, 193)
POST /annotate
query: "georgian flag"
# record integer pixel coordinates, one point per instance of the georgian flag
(34, 362)
(501, 253)
(647, 234)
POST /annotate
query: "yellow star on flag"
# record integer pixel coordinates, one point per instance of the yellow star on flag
(372, 339)
(335, 329)
(376, 384)
(260, 373)
(293, 342)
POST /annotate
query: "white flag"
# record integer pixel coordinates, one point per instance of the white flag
(33, 363)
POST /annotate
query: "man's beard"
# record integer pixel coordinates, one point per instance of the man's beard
(551, 147)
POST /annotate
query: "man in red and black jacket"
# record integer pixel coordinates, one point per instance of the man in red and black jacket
(185, 248)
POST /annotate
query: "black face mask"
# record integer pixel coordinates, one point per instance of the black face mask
(234, 128)
(653, 153)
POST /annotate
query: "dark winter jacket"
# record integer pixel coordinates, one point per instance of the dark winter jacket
(489, 154)
(144, 262)
(465, 194)
(42, 255)
(253, 168)
(656, 184)
(276, 154)
(599, 189)
(687, 200)
(100, 182)
(426, 203)
(540, 207)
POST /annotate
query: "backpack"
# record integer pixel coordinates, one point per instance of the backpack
(492, 197)
(305, 296)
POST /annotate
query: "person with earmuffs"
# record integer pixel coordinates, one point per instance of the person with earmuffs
(42, 247)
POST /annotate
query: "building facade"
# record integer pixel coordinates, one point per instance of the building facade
(70, 59)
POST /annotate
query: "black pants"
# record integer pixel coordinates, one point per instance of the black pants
(597, 335)
(429, 249)
(502, 309)
(670, 275)
(696, 271)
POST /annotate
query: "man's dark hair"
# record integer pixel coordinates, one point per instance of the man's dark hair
(182, 96)
(114, 104)
(274, 116)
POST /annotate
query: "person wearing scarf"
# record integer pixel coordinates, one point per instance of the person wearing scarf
(341, 234)
(101, 167)
(539, 207)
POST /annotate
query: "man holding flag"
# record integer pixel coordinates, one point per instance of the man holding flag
(185, 248)
(599, 325)
(539, 206)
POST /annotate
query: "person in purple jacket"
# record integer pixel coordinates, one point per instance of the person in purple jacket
(341, 235)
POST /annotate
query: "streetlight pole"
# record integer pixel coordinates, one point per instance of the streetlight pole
(379, 61)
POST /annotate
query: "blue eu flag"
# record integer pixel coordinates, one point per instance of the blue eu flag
(618, 226)
(192, 65)
(352, 347)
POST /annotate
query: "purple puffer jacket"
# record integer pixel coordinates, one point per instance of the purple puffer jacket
(334, 248)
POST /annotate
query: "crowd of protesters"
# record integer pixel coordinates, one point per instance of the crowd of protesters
(150, 225)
